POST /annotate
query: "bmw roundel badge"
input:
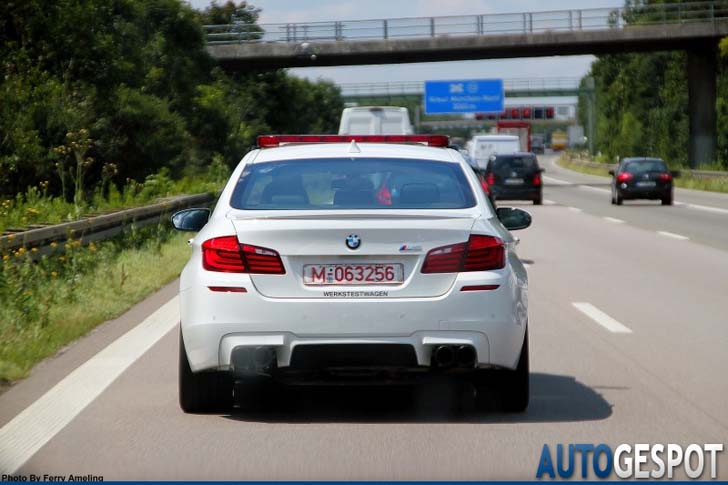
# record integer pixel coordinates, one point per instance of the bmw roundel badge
(353, 241)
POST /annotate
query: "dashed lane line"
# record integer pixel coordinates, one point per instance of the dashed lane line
(37, 424)
(613, 220)
(601, 318)
(673, 235)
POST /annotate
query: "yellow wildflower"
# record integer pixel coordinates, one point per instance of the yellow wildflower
(54, 245)
(54, 274)
(34, 250)
(5, 257)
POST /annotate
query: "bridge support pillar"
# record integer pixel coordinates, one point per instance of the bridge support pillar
(702, 65)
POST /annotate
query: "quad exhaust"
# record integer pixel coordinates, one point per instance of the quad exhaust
(253, 360)
(463, 356)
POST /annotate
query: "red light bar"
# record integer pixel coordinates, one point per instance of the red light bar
(270, 141)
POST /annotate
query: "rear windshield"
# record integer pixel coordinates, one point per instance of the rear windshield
(352, 184)
(509, 163)
(642, 166)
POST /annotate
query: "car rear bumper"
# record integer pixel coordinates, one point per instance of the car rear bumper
(512, 193)
(644, 193)
(492, 322)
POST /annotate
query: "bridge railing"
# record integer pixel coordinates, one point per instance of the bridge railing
(468, 25)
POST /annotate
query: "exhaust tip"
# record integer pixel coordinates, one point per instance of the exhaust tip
(443, 356)
(263, 357)
(465, 356)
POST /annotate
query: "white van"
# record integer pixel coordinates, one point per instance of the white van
(483, 146)
(375, 120)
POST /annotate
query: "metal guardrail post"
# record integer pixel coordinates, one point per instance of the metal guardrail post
(432, 26)
(385, 25)
(530, 22)
(479, 24)
(571, 20)
(578, 16)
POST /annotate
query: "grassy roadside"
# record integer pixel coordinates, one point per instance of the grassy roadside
(49, 303)
(36, 205)
(685, 181)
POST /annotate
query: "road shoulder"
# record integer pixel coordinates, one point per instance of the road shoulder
(50, 371)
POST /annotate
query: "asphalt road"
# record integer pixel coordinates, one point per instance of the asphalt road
(640, 358)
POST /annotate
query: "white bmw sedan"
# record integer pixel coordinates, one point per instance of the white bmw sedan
(349, 258)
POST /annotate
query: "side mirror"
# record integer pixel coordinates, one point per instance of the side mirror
(513, 218)
(611, 172)
(190, 219)
(675, 173)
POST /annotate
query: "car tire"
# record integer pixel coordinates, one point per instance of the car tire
(507, 390)
(538, 201)
(618, 200)
(202, 392)
(667, 200)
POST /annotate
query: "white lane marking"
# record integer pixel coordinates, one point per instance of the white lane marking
(673, 235)
(601, 318)
(575, 209)
(613, 220)
(707, 208)
(37, 424)
(554, 181)
(548, 202)
(589, 187)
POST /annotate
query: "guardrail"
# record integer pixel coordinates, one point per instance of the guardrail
(704, 174)
(103, 226)
(467, 25)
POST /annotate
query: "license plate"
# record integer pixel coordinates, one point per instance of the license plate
(353, 274)
(514, 181)
(647, 183)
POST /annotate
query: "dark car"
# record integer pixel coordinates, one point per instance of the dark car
(642, 178)
(515, 176)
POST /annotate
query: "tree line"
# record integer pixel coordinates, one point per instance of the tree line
(642, 99)
(116, 90)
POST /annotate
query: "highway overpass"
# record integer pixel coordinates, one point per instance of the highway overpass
(693, 27)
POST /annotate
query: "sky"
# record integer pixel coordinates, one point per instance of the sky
(284, 11)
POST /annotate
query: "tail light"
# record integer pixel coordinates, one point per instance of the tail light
(537, 180)
(262, 260)
(624, 177)
(225, 254)
(480, 253)
(484, 185)
(490, 179)
(665, 177)
(222, 254)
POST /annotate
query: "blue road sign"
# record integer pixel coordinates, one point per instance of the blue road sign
(464, 96)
